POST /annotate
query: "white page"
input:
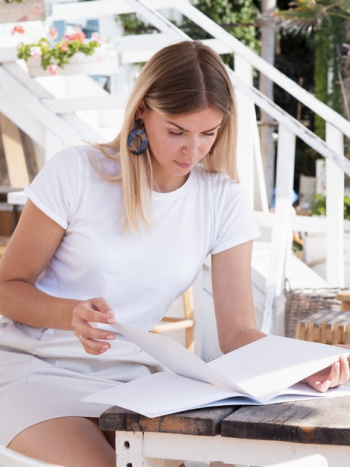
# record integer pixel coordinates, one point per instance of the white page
(175, 357)
(267, 366)
(160, 394)
(165, 393)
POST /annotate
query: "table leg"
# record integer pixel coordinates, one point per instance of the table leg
(128, 446)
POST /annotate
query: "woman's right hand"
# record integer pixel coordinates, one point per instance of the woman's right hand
(86, 315)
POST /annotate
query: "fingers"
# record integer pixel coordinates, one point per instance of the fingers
(95, 310)
(344, 372)
(86, 315)
(94, 347)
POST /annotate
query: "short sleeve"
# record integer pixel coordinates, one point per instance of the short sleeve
(235, 223)
(54, 189)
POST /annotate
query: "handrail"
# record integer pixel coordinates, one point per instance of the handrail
(264, 67)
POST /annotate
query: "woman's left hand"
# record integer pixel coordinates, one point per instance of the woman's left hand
(332, 376)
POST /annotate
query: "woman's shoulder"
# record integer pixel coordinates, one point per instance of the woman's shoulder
(217, 182)
(85, 158)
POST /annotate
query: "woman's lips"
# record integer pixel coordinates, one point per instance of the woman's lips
(183, 165)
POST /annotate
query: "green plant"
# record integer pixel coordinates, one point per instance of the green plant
(319, 206)
(57, 55)
(326, 19)
(12, 1)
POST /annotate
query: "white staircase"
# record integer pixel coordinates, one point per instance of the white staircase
(65, 110)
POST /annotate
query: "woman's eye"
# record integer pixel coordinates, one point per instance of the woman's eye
(209, 134)
(176, 134)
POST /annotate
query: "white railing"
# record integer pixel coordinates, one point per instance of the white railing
(56, 123)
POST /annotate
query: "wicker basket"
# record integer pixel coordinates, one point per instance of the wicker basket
(301, 303)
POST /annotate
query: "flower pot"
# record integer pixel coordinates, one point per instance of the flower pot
(103, 62)
(28, 10)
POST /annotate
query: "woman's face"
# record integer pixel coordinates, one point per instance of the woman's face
(178, 143)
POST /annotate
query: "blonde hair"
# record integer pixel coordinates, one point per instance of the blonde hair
(180, 79)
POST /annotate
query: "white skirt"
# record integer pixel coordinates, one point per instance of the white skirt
(45, 373)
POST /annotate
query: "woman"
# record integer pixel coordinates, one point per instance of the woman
(117, 232)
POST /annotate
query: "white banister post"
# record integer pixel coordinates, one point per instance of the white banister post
(335, 210)
(245, 109)
(281, 241)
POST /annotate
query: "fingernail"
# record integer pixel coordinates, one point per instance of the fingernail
(110, 336)
(105, 347)
(110, 312)
(337, 366)
(110, 320)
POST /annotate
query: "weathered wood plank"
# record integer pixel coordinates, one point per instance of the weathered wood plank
(323, 421)
(16, 164)
(202, 422)
(4, 175)
(30, 156)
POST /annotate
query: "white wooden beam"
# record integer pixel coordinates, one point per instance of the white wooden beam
(335, 210)
(96, 9)
(33, 104)
(147, 11)
(135, 53)
(8, 54)
(88, 134)
(223, 449)
(245, 148)
(311, 224)
(23, 118)
(21, 74)
(261, 192)
(291, 123)
(281, 234)
(74, 104)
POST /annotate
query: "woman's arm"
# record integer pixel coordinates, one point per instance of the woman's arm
(233, 297)
(234, 309)
(29, 251)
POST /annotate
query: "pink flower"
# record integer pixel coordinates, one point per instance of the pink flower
(53, 33)
(69, 37)
(95, 36)
(64, 47)
(74, 36)
(80, 36)
(18, 29)
(35, 52)
(53, 70)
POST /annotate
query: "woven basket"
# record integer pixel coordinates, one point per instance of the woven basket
(301, 303)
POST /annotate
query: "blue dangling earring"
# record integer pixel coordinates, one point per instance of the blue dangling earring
(137, 139)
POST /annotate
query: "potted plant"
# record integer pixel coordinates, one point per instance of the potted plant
(73, 54)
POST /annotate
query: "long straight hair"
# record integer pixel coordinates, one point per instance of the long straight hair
(180, 79)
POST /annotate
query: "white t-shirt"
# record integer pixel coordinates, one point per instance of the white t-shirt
(139, 275)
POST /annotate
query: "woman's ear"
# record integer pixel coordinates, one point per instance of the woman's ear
(140, 110)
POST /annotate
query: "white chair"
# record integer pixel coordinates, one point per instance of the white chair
(9, 458)
(316, 460)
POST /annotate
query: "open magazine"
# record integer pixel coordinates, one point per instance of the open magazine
(267, 371)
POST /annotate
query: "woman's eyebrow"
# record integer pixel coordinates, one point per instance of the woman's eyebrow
(184, 129)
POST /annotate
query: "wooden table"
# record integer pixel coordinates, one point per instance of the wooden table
(255, 436)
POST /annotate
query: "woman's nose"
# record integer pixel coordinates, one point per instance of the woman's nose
(191, 146)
